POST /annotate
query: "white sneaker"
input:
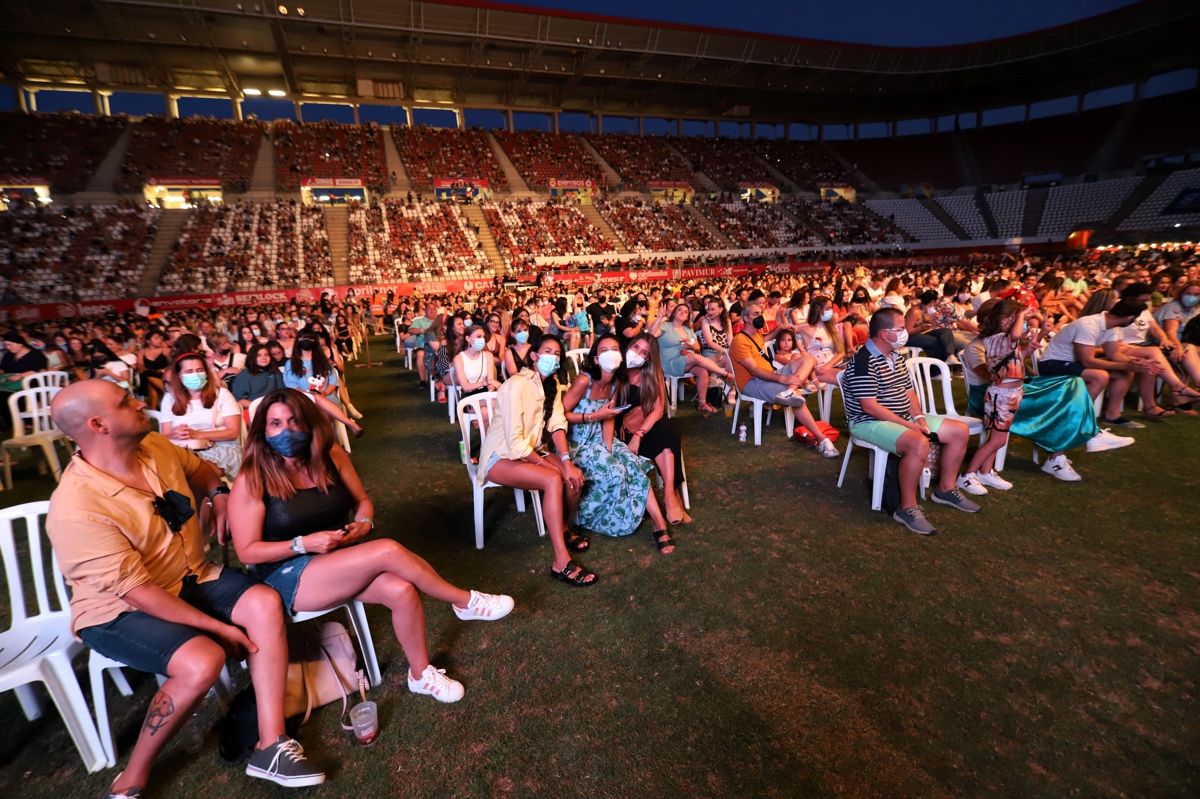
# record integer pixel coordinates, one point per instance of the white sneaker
(1060, 467)
(993, 480)
(1105, 440)
(826, 448)
(435, 683)
(786, 394)
(971, 483)
(485, 607)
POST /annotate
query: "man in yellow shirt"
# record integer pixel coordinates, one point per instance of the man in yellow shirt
(128, 541)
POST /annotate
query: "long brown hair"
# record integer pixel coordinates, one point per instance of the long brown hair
(264, 468)
(818, 304)
(652, 385)
(180, 395)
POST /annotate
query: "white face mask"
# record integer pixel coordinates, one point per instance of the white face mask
(634, 361)
(609, 360)
(901, 340)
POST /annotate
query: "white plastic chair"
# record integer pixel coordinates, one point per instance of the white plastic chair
(451, 401)
(33, 427)
(756, 407)
(924, 373)
(399, 337)
(339, 429)
(877, 463)
(469, 412)
(40, 647)
(576, 357)
(358, 622)
(675, 391)
(54, 378)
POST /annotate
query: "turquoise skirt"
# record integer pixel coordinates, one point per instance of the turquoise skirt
(1056, 413)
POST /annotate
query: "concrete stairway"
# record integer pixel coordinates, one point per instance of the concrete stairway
(474, 215)
(950, 222)
(401, 185)
(169, 229)
(102, 185)
(985, 211)
(708, 223)
(1035, 205)
(516, 183)
(337, 222)
(610, 174)
(593, 215)
(262, 179)
(700, 180)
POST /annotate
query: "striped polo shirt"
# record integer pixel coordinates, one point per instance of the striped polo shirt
(881, 380)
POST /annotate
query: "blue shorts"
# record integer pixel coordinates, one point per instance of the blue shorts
(285, 578)
(147, 643)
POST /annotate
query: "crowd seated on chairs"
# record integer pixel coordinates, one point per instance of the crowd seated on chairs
(640, 160)
(807, 164)
(726, 162)
(64, 148)
(193, 147)
(525, 229)
(250, 245)
(328, 150)
(649, 225)
(840, 222)
(540, 157)
(87, 252)
(753, 225)
(431, 154)
(399, 240)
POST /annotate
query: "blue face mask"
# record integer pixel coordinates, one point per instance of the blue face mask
(194, 381)
(478, 344)
(826, 315)
(1189, 300)
(521, 336)
(290, 443)
(547, 364)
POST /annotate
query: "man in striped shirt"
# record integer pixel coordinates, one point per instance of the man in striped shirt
(879, 399)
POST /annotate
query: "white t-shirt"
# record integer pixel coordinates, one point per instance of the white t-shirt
(197, 416)
(1139, 331)
(1090, 330)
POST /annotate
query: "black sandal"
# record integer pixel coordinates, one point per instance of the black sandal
(663, 539)
(576, 541)
(574, 575)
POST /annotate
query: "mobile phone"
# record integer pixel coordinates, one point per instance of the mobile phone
(933, 437)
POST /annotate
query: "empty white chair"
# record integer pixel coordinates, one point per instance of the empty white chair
(54, 378)
(39, 647)
(469, 413)
(33, 427)
(576, 357)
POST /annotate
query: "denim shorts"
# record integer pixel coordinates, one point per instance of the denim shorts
(1060, 368)
(147, 643)
(285, 578)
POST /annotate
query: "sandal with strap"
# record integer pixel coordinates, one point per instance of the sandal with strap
(663, 540)
(577, 541)
(574, 575)
(1157, 413)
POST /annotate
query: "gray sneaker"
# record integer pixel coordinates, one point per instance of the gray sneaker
(914, 519)
(283, 763)
(954, 500)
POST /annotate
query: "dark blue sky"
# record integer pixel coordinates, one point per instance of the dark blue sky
(892, 22)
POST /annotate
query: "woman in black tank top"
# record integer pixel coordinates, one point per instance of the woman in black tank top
(298, 513)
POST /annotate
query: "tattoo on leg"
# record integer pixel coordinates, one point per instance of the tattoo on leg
(162, 708)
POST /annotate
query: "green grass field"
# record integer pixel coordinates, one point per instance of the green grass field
(795, 645)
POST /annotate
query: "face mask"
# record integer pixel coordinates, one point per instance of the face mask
(306, 346)
(478, 344)
(255, 331)
(602, 299)
(759, 323)
(37, 345)
(467, 322)
(194, 381)
(609, 360)
(1189, 300)
(826, 315)
(289, 443)
(964, 297)
(521, 336)
(633, 360)
(901, 339)
(547, 364)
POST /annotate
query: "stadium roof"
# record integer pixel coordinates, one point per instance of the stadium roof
(472, 53)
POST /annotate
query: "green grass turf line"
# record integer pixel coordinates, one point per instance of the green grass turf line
(796, 644)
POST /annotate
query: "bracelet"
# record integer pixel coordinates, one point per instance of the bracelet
(366, 521)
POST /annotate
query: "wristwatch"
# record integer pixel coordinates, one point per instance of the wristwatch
(365, 520)
(298, 545)
(565, 457)
(221, 489)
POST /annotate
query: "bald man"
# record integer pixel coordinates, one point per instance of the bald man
(129, 543)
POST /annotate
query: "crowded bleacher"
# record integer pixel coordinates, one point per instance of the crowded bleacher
(64, 148)
(641, 160)
(413, 240)
(542, 157)
(431, 154)
(326, 151)
(525, 229)
(191, 148)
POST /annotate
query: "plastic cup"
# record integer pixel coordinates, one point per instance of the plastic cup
(365, 719)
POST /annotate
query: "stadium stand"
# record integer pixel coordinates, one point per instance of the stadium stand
(328, 150)
(965, 212)
(1062, 145)
(192, 148)
(912, 217)
(431, 154)
(247, 245)
(845, 223)
(63, 148)
(1083, 203)
(1007, 207)
(400, 240)
(1149, 215)
(1162, 126)
(641, 159)
(647, 225)
(542, 156)
(757, 225)
(807, 164)
(905, 162)
(726, 162)
(74, 252)
(526, 229)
